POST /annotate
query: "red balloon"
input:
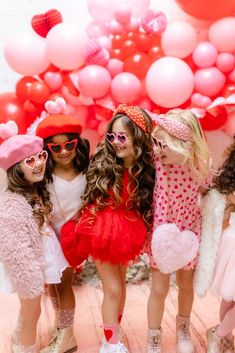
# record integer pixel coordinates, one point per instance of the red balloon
(116, 54)
(137, 64)
(117, 41)
(32, 111)
(128, 48)
(39, 92)
(12, 109)
(228, 89)
(155, 53)
(208, 9)
(214, 122)
(51, 68)
(143, 41)
(23, 87)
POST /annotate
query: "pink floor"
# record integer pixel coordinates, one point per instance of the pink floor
(88, 319)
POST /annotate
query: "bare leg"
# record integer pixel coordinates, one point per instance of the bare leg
(122, 273)
(186, 293)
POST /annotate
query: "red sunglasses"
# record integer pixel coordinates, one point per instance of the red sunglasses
(58, 147)
(121, 138)
(30, 162)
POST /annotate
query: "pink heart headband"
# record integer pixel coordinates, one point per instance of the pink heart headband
(174, 128)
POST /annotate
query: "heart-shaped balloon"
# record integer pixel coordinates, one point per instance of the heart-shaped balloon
(8, 129)
(56, 107)
(42, 23)
(53, 80)
(173, 249)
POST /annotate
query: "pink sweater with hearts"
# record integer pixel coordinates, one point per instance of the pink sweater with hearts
(20, 245)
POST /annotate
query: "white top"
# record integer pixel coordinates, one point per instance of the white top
(66, 196)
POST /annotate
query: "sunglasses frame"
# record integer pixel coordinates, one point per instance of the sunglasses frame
(117, 137)
(35, 158)
(62, 146)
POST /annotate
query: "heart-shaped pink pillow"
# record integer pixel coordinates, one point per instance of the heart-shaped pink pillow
(173, 249)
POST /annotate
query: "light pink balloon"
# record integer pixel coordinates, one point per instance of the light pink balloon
(179, 39)
(138, 7)
(123, 13)
(169, 82)
(101, 10)
(66, 46)
(125, 87)
(94, 81)
(25, 53)
(209, 82)
(53, 80)
(105, 42)
(205, 54)
(197, 100)
(133, 25)
(230, 124)
(115, 27)
(225, 62)
(115, 66)
(222, 34)
(96, 29)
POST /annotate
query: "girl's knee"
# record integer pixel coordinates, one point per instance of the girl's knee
(113, 291)
(159, 291)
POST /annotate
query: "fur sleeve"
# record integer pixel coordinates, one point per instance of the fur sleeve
(20, 246)
(212, 220)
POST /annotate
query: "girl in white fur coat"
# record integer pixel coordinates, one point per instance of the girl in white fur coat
(30, 253)
(215, 270)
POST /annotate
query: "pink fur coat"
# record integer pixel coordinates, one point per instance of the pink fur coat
(20, 245)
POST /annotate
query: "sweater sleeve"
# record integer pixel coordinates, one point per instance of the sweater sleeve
(20, 248)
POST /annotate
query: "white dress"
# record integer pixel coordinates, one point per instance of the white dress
(66, 199)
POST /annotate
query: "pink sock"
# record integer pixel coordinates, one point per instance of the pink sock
(111, 333)
(66, 318)
(228, 323)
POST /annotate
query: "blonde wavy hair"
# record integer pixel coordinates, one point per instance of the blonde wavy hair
(196, 153)
(105, 172)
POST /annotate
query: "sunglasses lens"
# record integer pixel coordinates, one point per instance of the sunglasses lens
(121, 138)
(30, 162)
(70, 145)
(42, 156)
(55, 148)
(110, 137)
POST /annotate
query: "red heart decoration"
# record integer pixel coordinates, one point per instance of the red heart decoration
(108, 334)
(44, 22)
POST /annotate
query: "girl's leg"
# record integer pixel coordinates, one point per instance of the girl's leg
(228, 322)
(112, 288)
(185, 302)
(30, 311)
(156, 304)
(122, 273)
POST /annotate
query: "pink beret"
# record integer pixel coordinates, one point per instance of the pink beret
(18, 147)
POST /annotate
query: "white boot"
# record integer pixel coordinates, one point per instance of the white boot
(215, 344)
(63, 342)
(184, 340)
(113, 348)
(18, 348)
(229, 345)
(154, 341)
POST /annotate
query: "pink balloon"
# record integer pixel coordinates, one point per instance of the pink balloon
(101, 10)
(25, 53)
(169, 82)
(232, 76)
(133, 25)
(197, 100)
(225, 62)
(222, 34)
(230, 124)
(82, 114)
(66, 46)
(96, 29)
(123, 13)
(115, 27)
(209, 82)
(125, 87)
(138, 7)
(105, 42)
(94, 81)
(115, 66)
(179, 39)
(53, 80)
(205, 54)
(92, 136)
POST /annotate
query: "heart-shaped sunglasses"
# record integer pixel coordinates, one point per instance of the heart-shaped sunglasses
(121, 138)
(69, 146)
(30, 162)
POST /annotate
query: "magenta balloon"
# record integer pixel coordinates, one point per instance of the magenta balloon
(169, 82)
(94, 81)
(66, 46)
(125, 87)
(205, 54)
(209, 82)
(25, 53)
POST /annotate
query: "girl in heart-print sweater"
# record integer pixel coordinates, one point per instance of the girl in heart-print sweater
(182, 166)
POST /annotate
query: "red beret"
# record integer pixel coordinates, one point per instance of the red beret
(58, 124)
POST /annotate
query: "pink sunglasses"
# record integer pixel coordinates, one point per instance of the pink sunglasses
(30, 162)
(121, 138)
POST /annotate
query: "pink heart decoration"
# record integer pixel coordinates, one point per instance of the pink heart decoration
(96, 55)
(56, 107)
(154, 21)
(53, 80)
(8, 129)
(173, 249)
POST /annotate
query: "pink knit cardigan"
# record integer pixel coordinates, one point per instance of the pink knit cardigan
(20, 245)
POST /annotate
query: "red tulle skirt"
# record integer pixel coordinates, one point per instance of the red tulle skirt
(116, 235)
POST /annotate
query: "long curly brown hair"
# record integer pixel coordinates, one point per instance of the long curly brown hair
(224, 181)
(36, 195)
(106, 170)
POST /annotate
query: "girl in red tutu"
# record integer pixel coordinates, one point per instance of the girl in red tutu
(116, 216)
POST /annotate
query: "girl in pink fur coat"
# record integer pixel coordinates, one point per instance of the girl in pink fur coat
(29, 250)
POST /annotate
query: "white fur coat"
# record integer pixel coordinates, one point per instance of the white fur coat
(212, 222)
